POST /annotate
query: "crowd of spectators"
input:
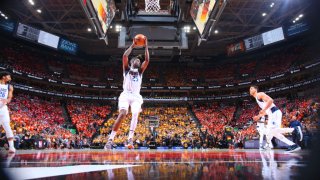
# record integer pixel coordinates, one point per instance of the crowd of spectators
(158, 74)
(175, 128)
(39, 122)
(214, 116)
(34, 119)
(87, 117)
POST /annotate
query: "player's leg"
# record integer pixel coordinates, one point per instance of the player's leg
(269, 131)
(277, 132)
(261, 134)
(269, 136)
(123, 110)
(5, 122)
(135, 109)
(285, 130)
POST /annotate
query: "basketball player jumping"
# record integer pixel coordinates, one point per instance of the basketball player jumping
(131, 93)
(6, 94)
(274, 129)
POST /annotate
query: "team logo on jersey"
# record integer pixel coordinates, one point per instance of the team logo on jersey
(135, 79)
(134, 76)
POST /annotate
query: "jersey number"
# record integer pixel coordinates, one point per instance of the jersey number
(3, 94)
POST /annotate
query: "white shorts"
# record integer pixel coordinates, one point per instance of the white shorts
(261, 128)
(275, 119)
(127, 99)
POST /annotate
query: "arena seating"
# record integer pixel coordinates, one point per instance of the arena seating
(214, 116)
(174, 124)
(38, 64)
(87, 116)
(34, 117)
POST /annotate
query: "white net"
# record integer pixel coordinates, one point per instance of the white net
(152, 6)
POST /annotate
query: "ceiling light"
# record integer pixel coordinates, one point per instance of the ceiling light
(194, 28)
(3, 15)
(216, 31)
(271, 5)
(6, 17)
(297, 19)
(294, 21)
(264, 14)
(301, 15)
(110, 27)
(118, 28)
(186, 29)
(39, 11)
(31, 2)
(89, 29)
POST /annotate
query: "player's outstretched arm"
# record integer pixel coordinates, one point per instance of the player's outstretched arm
(146, 60)
(125, 57)
(10, 95)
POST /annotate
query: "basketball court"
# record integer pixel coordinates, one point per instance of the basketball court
(155, 164)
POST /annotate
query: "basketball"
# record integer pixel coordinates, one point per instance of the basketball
(139, 40)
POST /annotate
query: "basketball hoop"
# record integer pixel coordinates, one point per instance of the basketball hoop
(152, 6)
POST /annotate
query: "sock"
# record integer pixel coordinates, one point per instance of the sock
(11, 146)
(261, 139)
(131, 133)
(112, 135)
(133, 124)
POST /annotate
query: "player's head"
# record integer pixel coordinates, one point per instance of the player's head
(135, 62)
(253, 90)
(5, 76)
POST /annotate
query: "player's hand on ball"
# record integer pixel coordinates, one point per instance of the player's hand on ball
(133, 44)
(255, 118)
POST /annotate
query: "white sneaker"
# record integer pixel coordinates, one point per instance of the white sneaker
(108, 145)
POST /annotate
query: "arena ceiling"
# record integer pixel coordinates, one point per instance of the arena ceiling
(240, 18)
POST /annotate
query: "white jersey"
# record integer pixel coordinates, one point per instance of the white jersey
(132, 81)
(263, 104)
(4, 91)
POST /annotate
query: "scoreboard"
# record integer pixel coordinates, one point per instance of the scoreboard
(44, 38)
(253, 42)
(27, 32)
